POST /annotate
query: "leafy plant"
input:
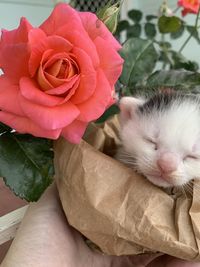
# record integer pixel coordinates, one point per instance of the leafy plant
(28, 155)
(146, 51)
(150, 61)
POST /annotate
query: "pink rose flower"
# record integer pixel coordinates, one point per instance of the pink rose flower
(57, 77)
(189, 6)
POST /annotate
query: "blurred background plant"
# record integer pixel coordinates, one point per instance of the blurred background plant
(151, 60)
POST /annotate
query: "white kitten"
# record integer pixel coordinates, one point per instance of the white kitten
(161, 137)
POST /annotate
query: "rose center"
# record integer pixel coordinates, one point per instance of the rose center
(57, 70)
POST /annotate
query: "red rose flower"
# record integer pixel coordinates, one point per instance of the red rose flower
(190, 6)
(57, 77)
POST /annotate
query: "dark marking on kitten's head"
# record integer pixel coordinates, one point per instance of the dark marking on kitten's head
(163, 100)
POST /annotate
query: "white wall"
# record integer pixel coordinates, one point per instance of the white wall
(36, 11)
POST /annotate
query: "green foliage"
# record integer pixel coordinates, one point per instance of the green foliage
(112, 110)
(180, 62)
(150, 30)
(134, 31)
(135, 15)
(140, 58)
(169, 24)
(178, 33)
(26, 164)
(194, 32)
(151, 17)
(109, 14)
(183, 80)
(148, 48)
(4, 128)
(122, 25)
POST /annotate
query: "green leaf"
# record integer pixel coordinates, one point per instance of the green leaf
(106, 9)
(112, 110)
(180, 62)
(182, 80)
(151, 17)
(4, 128)
(179, 33)
(109, 14)
(140, 58)
(150, 30)
(169, 24)
(165, 45)
(134, 31)
(192, 30)
(26, 164)
(135, 15)
(122, 25)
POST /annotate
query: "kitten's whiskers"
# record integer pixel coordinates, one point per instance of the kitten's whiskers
(183, 191)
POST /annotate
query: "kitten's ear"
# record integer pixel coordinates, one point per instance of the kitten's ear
(128, 105)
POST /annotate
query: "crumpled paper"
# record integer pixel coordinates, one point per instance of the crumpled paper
(118, 209)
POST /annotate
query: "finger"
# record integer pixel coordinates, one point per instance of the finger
(169, 261)
(128, 261)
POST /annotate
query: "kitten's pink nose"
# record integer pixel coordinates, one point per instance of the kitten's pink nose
(168, 162)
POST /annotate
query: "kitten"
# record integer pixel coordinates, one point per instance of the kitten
(161, 137)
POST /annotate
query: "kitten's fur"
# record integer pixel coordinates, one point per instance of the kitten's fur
(161, 137)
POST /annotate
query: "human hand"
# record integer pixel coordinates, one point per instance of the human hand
(45, 239)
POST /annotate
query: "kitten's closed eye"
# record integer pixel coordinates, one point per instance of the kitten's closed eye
(192, 157)
(151, 141)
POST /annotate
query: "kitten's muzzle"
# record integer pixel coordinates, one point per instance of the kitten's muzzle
(168, 162)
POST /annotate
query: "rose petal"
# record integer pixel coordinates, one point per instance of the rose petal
(35, 35)
(95, 106)
(80, 39)
(56, 43)
(95, 28)
(71, 91)
(190, 6)
(9, 96)
(185, 11)
(49, 117)
(74, 131)
(110, 61)
(19, 35)
(42, 80)
(14, 51)
(55, 68)
(25, 125)
(14, 61)
(65, 87)
(30, 91)
(61, 14)
(87, 77)
(50, 59)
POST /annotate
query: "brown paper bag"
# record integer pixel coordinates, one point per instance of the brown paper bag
(119, 210)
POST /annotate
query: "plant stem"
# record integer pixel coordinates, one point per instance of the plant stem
(176, 9)
(121, 2)
(191, 34)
